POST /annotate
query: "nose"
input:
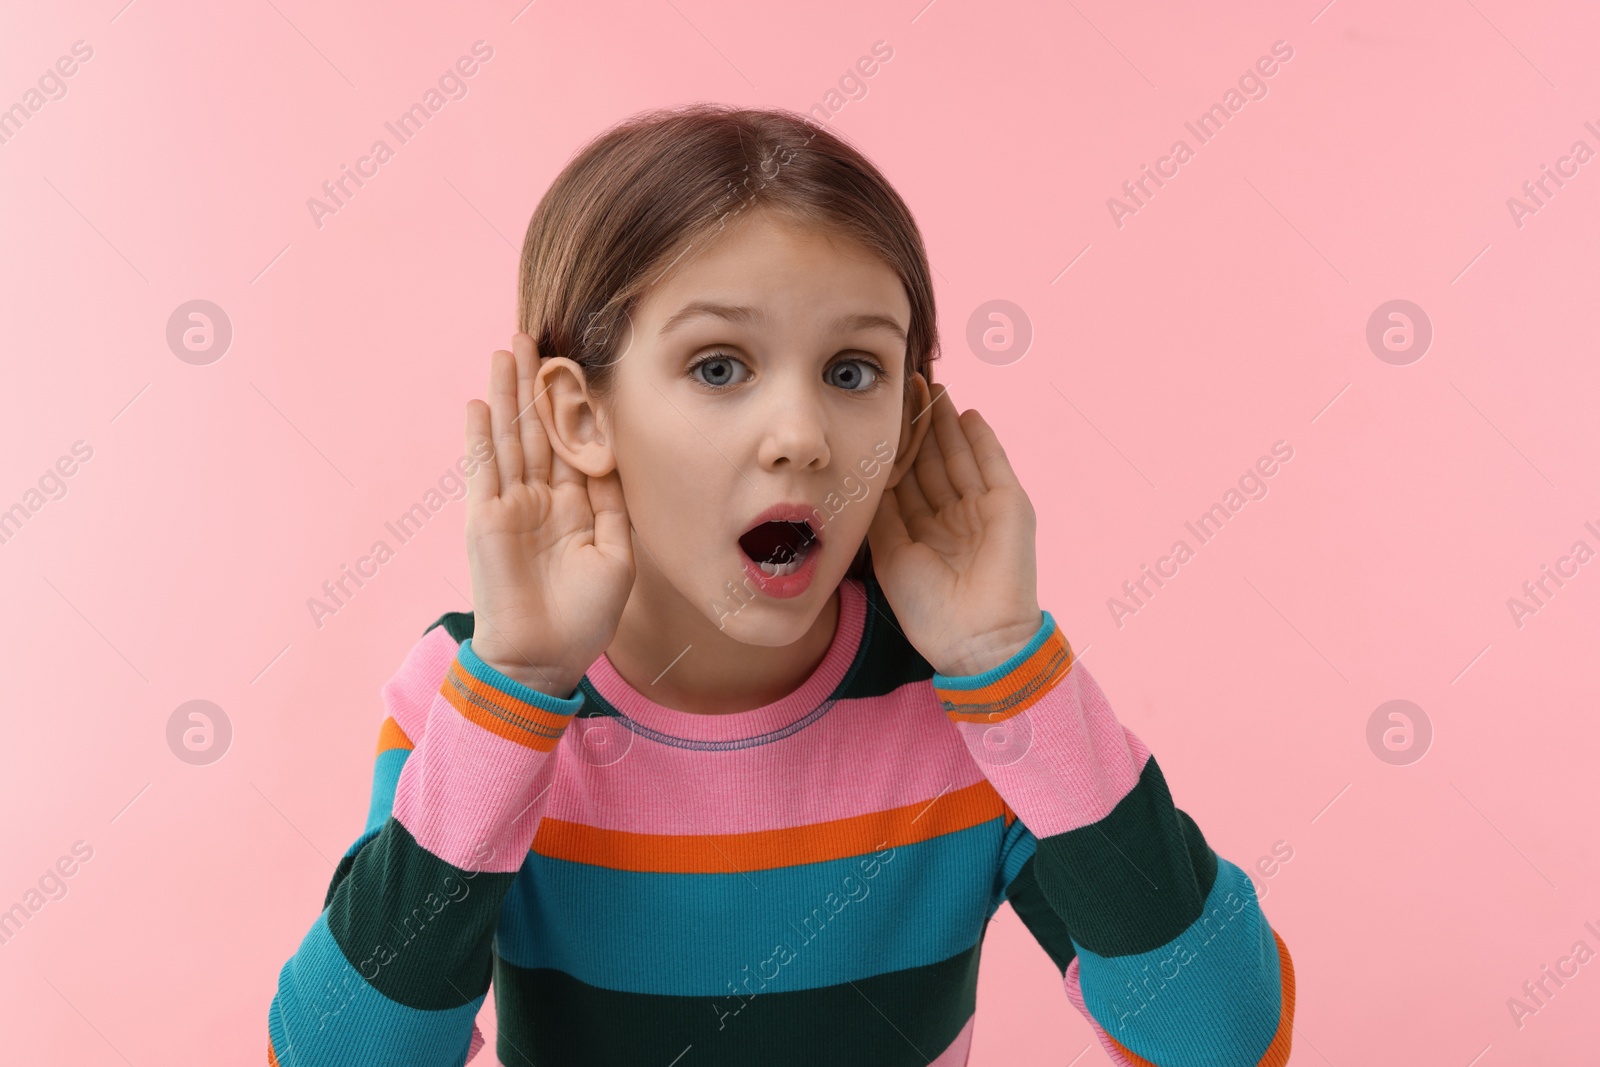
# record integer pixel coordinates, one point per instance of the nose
(794, 428)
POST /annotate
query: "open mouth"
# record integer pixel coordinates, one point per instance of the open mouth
(779, 548)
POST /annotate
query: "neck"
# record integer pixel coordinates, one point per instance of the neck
(668, 650)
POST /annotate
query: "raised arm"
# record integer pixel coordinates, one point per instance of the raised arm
(397, 965)
(1161, 942)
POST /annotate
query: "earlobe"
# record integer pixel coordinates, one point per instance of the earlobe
(914, 426)
(569, 416)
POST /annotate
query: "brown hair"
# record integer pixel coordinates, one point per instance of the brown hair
(636, 198)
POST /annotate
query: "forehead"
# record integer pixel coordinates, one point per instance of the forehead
(767, 264)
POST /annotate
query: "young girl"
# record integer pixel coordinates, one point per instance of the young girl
(757, 719)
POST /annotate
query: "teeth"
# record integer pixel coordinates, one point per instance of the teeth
(782, 570)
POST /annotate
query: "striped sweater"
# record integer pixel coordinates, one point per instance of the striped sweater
(806, 882)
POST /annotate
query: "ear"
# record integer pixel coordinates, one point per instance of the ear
(573, 420)
(914, 423)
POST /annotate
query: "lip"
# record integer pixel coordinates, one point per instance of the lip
(787, 512)
(789, 585)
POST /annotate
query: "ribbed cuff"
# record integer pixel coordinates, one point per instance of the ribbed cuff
(1013, 686)
(513, 688)
(995, 674)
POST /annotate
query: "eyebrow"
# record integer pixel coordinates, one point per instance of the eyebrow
(753, 316)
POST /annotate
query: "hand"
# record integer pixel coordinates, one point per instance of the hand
(952, 547)
(550, 548)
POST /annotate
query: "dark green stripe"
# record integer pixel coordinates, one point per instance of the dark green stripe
(458, 624)
(900, 1019)
(1201, 858)
(887, 660)
(1132, 881)
(339, 874)
(417, 928)
(1042, 921)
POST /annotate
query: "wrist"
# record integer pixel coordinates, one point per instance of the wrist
(995, 650)
(554, 681)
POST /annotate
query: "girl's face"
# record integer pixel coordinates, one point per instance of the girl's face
(765, 370)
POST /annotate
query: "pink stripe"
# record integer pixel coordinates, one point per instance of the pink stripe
(476, 1043)
(956, 1053)
(468, 796)
(902, 750)
(409, 693)
(1077, 760)
(658, 788)
(1075, 994)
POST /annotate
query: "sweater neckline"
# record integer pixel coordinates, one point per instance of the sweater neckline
(741, 729)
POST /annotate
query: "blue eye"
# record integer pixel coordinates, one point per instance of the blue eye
(721, 372)
(860, 374)
(858, 370)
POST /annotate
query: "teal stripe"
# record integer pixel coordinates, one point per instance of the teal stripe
(325, 1013)
(1210, 995)
(927, 902)
(510, 686)
(1017, 850)
(385, 776)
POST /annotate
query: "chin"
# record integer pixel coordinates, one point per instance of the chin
(764, 633)
(771, 623)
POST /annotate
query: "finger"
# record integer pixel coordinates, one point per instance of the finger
(930, 468)
(562, 472)
(613, 534)
(484, 483)
(956, 449)
(503, 416)
(535, 445)
(988, 453)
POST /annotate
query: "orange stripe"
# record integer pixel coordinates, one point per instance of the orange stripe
(1277, 1053)
(391, 736)
(515, 720)
(625, 850)
(1019, 690)
(272, 1057)
(1133, 1057)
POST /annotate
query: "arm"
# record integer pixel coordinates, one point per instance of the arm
(1161, 942)
(398, 963)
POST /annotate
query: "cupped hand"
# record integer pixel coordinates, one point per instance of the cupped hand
(549, 547)
(953, 547)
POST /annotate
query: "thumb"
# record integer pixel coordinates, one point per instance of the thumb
(612, 530)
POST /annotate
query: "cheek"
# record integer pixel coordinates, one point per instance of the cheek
(676, 497)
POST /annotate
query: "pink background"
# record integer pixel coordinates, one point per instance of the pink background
(1229, 313)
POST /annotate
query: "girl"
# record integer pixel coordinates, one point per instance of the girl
(757, 719)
